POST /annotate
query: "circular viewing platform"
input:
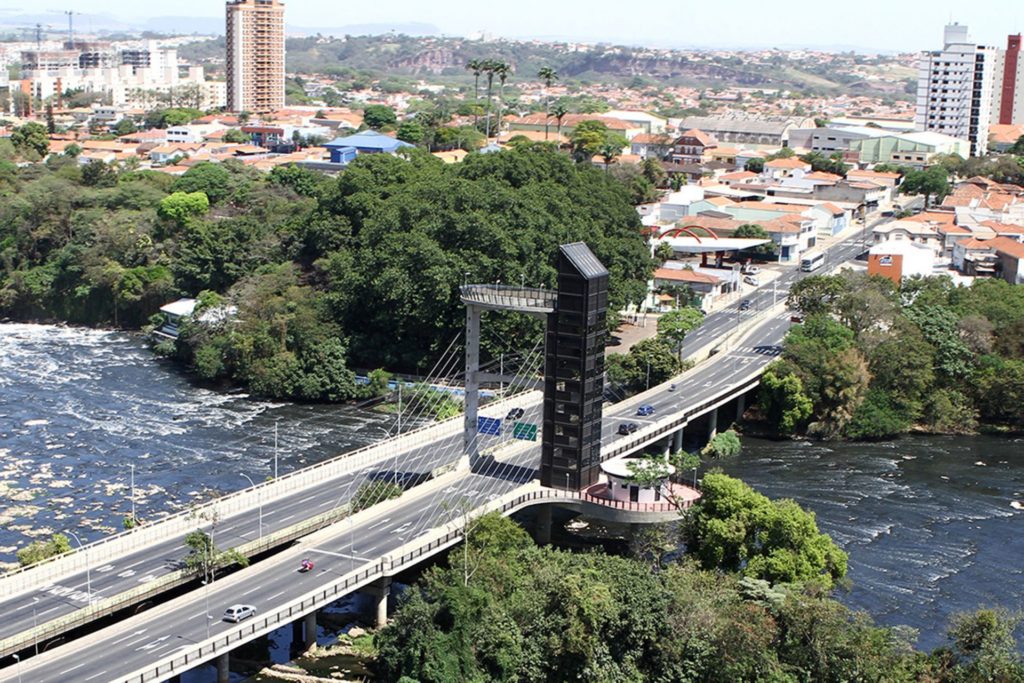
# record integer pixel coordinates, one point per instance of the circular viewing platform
(509, 298)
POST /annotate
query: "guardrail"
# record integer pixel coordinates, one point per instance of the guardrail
(387, 566)
(108, 548)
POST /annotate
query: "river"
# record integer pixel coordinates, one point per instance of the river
(927, 521)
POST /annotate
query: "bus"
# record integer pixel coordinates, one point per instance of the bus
(811, 262)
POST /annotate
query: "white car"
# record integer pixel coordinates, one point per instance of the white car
(751, 270)
(751, 280)
(236, 613)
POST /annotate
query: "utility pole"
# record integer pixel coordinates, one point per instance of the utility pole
(648, 373)
(132, 465)
(399, 406)
(275, 449)
(501, 375)
(71, 30)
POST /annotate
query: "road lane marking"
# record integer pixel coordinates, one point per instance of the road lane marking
(137, 633)
(252, 590)
(276, 595)
(50, 610)
(344, 555)
(384, 521)
(95, 675)
(79, 666)
(308, 498)
(196, 616)
(285, 519)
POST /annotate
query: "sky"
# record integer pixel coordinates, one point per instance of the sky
(886, 25)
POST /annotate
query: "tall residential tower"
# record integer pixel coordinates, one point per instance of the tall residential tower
(255, 55)
(956, 89)
(1011, 101)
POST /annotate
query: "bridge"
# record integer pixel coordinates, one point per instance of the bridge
(353, 552)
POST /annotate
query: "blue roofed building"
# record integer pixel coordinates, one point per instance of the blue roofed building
(344, 149)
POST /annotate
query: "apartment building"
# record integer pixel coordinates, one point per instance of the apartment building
(956, 89)
(255, 55)
(1011, 86)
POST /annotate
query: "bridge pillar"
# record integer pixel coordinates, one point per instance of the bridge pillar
(741, 405)
(381, 589)
(677, 440)
(542, 532)
(223, 672)
(666, 447)
(472, 400)
(713, 424)
(296, 647)
(309, 626)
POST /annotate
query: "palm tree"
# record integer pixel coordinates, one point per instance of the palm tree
(559, 112)
(477, 67)
(549, 76)
(502, 70)
(609, 152)
(488, 67)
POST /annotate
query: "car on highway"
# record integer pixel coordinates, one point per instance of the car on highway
(645, 410)
(515, 414)
(627, 428)
(750, 269)
(796, 318)
(745, 304)
(751, 280)
(236, 613)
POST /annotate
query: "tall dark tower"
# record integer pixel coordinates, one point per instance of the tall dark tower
(574, 371)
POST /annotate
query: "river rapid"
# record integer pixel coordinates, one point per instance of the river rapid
(927, 521)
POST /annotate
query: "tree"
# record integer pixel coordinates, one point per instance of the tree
(559, 111)
(411, 132)
(587, 139)
(376, 116)
(734, 528)
(37, 551)
(786, 406)
(649, 362)
(876, 418)
(723, 445)
(844, 384)
(549, 76)
(124, 127)
(31, 138)
(51, 125)
(1017, 148)
(182, 206)
(477, 67)
(931, 182)
(754, 165)
(754, 231)
(816, 294)
(984, 648)
(236, 136)
(374, 492)
(611, 149)
(206, 177)
(675, 325)
(99, 174)
(502, 71)
(204, 558)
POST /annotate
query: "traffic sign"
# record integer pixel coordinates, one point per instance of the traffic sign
(524, 431)
(488, 425)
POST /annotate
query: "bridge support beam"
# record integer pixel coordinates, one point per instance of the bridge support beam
(297, 640)
(223, 671)
(666, 447)
(543, 531)
(741, 406)
(472, 400)
(677, 440)
(381, 589)
(309, 628)
(712, 424)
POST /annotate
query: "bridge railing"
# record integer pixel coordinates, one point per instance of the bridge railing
(451, 534)
(109, 548)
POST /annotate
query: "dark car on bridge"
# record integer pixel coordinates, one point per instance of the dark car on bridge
(627, 428)
(515, 414)
(745, 304)
(645, 410)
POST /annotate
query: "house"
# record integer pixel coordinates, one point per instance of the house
(706, 287)
(738, 178)
(762, 132)
(974, 256)
(897, 259)
(690, 147)
(791, 167)
(650, 123)
(890, 180)
(367, 142)
(1009, 254)
(923, 233)
(908, 149)
(651, 145)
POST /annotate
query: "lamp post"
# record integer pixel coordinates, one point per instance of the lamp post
(88, 573)
(17, 661)
(35, 626)
(132, 466)
(694, 478)
(259, 501)
(275, 448)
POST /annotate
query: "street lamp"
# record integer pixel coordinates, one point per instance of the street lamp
(275, 448)
(132, 466)
(35, 626)
(695, 478)
(17, 660)
(259, 501)
(88, 573)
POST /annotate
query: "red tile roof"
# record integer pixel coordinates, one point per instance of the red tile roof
(685, 275)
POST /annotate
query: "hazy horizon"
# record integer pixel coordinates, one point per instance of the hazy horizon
(874, 25)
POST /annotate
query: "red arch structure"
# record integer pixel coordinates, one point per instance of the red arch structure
(689, 230)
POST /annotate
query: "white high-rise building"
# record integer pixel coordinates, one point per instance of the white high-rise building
(956, 89)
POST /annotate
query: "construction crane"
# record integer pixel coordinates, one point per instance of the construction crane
(71, 26)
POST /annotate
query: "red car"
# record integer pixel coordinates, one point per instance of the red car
(306, 566)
